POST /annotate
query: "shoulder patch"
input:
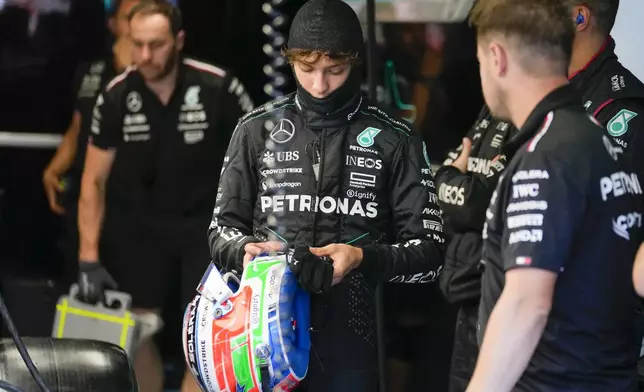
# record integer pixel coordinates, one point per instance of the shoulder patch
(532, 144)
(267, 108)
(201, 66)
(118, 79)
(618, 125)
(380, 114)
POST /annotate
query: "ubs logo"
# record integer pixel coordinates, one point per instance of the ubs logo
(283, 131)
(285, 156)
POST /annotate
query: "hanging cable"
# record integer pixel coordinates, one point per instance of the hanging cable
(277, 79)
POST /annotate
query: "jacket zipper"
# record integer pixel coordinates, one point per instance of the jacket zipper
(318, 171)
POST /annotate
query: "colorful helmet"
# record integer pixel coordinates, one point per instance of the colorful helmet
(252, 335)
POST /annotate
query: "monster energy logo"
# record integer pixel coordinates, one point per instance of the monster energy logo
(366, 137)
(618, 125)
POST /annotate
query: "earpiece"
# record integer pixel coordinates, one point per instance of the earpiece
(580, 19)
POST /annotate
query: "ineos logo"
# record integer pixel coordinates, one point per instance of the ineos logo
(367, 163)
(283, 131)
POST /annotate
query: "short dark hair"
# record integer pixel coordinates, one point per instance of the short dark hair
(160, 7)
(542, 30)
(604, 12)
(293, 55)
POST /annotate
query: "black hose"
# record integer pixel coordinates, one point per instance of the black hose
(6, 387)
(23, 352)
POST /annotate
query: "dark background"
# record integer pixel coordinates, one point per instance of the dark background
(35, 79)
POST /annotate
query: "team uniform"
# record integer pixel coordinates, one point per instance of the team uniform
(566, 205)
(615, 96)
(610, 93)
(464, 198)
(164, 177)
(89, 80)
(357, 176)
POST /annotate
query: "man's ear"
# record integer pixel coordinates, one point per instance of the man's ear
(181, 38)
(581, 17)
(111, 24)
(499, 57)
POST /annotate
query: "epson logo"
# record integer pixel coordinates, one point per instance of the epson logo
(479, 165)
(326, 205)
(366, 163)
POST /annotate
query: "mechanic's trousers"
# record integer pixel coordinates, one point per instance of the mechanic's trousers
(466, 348)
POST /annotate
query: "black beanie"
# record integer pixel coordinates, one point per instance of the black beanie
(328, 26)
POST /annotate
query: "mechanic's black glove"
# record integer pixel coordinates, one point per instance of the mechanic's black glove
(93, 280)
(313, 273)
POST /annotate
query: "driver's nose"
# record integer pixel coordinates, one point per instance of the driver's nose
(320, 85)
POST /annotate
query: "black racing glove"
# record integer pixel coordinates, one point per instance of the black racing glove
(93, 280)
(313, 273)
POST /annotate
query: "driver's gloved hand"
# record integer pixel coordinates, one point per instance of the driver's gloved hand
(313, 273)
(93, 280)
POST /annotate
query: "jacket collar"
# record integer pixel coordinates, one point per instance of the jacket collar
(589, 72)
(337, 119)
(566, 95)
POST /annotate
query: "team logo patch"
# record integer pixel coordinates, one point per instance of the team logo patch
(618, 125)
(283, 131)
(192, 96)
(134, 102)
(366, 137)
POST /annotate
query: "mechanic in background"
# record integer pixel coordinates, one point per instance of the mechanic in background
(558, 310)
(610, 92)
(61, 178)
(159, 131)
(466, 182)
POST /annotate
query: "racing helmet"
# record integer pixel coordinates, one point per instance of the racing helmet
(250, 335)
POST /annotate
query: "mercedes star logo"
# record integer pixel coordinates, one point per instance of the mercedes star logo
(134, 102)
(283, 131)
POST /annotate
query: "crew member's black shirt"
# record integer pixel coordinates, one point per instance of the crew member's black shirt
(168, 157)
(565, 205)
(89, 81)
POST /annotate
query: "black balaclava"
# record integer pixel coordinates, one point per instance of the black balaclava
(329, 26)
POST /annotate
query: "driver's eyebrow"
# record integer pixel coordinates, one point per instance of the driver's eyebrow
(330, 67)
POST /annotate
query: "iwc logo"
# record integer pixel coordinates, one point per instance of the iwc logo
(283, 131)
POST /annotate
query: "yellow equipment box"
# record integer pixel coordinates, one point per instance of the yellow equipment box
(78, 320)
